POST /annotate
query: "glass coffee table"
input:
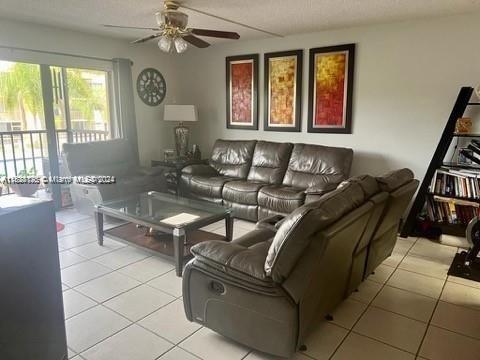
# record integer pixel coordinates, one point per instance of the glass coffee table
(166, 213)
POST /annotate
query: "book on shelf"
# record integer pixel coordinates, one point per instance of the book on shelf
(457, 183)
(451, 211)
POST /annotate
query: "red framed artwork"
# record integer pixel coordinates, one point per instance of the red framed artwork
(242, 91)
(330, 89)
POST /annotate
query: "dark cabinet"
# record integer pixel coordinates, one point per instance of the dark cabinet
(32, 323)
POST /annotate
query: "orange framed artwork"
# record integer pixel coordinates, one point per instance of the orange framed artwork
(283, 88)
(242, 91)
(330, 89)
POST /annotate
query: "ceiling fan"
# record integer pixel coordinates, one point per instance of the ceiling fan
(173, 33)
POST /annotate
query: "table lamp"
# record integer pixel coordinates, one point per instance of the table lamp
(181, 113)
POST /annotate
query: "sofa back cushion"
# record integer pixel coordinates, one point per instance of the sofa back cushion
(294, 235)
(394, 179)
(315, 165)
(368, 184)
(110, 157)
(270, 161)
(232, 158)
(401, 186)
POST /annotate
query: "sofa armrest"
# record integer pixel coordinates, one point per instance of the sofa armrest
(233, 259)
(199, 169)
(271, 223)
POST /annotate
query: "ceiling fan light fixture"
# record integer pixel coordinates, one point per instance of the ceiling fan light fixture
(180, 45)
(160, 18)
(165, 43)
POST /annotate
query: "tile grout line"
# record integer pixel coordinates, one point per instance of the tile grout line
(121, 293)
(130, 321)
(130, 324)
(178, 347)
(430, 320)
(453, 331)
(407, 253)
(350, 331)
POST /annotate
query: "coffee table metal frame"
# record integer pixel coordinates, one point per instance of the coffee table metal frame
(178, 233)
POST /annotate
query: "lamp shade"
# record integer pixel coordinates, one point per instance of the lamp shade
(180, 113)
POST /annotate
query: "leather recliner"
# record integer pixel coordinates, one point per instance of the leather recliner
(108, 158)
(230, 161)
(401, 186)
(273, 178)
(266, 288)
(312, 171)
(269, 164)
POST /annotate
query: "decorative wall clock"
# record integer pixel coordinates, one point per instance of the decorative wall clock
(151, 87)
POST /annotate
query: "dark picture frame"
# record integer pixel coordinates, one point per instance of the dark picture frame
(231, 61)
(296, 112)
(339, 115)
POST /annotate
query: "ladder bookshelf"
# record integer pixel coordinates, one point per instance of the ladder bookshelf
(437, 162)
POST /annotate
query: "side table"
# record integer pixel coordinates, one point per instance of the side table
(174, 170)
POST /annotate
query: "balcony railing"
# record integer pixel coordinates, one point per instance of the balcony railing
(26, 151)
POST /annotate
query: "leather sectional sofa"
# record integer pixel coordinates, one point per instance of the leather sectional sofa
(260, 178)
(267, 288)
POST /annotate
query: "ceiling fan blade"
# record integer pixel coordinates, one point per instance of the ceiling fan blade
(216, 33)
(196, 41)
(131, 27)
(146, 38)
(229, 20)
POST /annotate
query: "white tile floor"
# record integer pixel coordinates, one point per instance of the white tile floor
(123, 303)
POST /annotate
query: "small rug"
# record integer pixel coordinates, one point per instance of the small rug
(60, 227)
(161, 243)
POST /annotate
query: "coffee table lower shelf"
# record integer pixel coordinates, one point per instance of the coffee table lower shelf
(159, 243)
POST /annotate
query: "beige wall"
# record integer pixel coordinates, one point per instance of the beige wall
(407, 77)
(153, 133)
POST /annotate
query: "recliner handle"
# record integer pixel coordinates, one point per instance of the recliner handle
(217, 287)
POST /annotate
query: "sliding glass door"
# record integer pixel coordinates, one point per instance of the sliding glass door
(23, 136)
(41, 108)
(81, 104)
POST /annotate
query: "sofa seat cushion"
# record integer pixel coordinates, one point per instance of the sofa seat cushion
(208, 186)
(281, 198)
(242, 191)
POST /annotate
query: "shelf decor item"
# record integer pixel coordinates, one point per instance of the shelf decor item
(169, 154)
(283, 90)
(463, 125)
(197, 154)
(242, 91)
(181, 113)
(330, 89)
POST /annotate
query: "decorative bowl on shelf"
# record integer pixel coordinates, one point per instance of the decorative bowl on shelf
(463, 125)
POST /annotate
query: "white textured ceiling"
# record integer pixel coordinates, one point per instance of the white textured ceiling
(284, 17)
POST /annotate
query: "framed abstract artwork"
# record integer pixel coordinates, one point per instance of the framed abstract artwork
(330, 89)
(242, 92)
(283, 90)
